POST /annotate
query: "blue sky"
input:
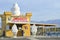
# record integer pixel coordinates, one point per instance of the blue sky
(42, 10)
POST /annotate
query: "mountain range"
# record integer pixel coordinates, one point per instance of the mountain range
(56, 21)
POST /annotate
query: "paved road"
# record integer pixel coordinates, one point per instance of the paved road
(32, 38)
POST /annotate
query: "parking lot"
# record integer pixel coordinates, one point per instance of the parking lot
(32, 38)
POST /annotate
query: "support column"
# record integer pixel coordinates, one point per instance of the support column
(55, 28)
(43, 30)
(49, 28)
(3, 25)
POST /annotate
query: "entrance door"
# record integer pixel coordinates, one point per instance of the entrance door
(20, 31)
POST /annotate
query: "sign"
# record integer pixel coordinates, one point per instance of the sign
(18, 19)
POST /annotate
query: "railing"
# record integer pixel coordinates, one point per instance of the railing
(53, 33)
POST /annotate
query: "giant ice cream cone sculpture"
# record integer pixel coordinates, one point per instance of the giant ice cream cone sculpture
(15, 9)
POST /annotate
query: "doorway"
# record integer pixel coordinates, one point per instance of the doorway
(20, 31)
